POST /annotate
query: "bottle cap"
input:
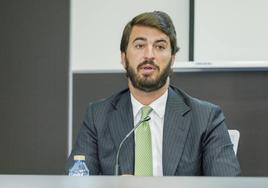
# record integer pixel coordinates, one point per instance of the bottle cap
(79, 157)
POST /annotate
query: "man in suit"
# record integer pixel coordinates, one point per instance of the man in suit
(184, 136)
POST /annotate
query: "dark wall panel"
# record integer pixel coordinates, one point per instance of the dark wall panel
(243, 97)
(34, 49)
(91, 87)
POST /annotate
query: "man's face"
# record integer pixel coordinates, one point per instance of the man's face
(148, 58)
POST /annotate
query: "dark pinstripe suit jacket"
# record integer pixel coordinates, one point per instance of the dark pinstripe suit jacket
(195, 137)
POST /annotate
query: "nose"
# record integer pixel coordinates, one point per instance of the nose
(149, 53)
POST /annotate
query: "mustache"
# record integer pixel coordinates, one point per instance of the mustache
(146, 62)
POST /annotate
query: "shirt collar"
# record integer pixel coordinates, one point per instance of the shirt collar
(158, 106)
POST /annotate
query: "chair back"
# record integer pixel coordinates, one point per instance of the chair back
(234, 135)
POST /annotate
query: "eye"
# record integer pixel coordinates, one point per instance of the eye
(160, 47)
(139, 46)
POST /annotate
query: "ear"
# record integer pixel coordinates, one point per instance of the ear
(172, 60)
(123, 59)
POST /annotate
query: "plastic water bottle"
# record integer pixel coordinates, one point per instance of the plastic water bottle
(79, 168)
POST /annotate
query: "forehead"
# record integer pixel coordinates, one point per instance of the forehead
(147, 33)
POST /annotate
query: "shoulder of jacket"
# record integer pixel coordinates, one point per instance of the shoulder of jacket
(111, 100)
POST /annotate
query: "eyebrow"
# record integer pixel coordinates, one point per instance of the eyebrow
(161, 40)
(139, 38)
(144, 39)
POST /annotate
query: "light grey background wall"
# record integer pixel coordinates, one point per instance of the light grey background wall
(224, 31)
(227, 30)
(97, 25)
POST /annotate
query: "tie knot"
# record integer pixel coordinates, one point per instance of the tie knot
(145, 111)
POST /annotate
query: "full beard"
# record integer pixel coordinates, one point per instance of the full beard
(145, 83)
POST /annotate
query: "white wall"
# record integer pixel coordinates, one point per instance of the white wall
(231, 30)
(97, 25)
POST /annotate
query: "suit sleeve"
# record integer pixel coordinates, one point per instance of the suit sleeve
(86, 144)
(218, 155)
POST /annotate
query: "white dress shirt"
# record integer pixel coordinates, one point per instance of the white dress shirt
(156, 125)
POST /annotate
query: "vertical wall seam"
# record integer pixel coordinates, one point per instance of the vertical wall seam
(191, 29)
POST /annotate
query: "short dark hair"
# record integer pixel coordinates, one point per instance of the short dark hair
(156, 19)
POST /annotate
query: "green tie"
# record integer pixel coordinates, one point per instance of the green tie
(143, 146)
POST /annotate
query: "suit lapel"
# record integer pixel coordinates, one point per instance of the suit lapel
(176, 126)
(121, 122)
